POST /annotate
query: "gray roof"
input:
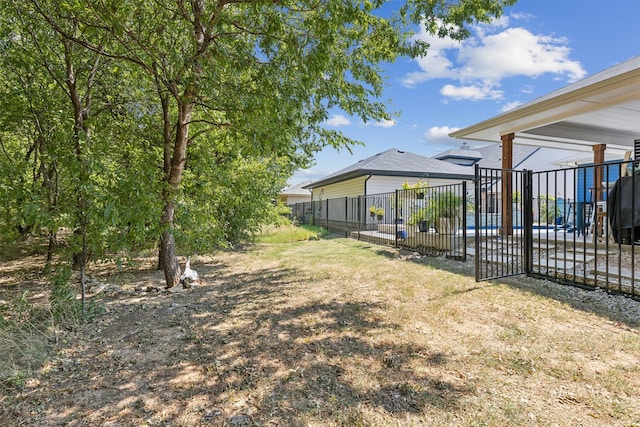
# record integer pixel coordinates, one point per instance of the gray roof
(492, 155)
(458, 153)
(394, 162)
(297, 190)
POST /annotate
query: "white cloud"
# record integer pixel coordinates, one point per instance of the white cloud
(523, 16)
(385, 123)
(517, 52)
(495, 52)
(510, 106)
(338, 120)
(493, 26)
(439, 133)
(473, 93)
(435, 64)
(527, 89)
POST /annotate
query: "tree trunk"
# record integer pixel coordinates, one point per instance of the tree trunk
(47, 265)
(186, 103)
(160, 254)
(170, 263)
(166, 168)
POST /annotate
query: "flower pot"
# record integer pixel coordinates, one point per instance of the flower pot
(423, 227)
(372, 214)
(445, 225)
(380, 217)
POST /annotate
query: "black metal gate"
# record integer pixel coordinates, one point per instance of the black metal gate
(503, 223)
(578, 226)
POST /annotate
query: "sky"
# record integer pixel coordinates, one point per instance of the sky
(536, 47)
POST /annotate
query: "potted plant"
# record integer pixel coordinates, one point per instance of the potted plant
(419, 217)
(379, 213)
(549, 210)
(419, 187)
(372, 211)
(444, 210)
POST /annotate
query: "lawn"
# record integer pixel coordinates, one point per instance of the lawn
(332, 332)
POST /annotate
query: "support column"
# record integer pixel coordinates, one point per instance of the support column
(598, 159)
(507, 185)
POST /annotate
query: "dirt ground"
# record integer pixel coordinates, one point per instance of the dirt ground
(270, 342)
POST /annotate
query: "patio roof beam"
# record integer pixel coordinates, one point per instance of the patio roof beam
(523, 138)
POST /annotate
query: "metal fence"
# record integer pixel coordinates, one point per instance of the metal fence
(428, 220)
(578, 226)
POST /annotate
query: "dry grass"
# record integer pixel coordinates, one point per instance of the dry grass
(337, 332)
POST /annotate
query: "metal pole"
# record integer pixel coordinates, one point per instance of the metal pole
(478, 203)
(464, 220)
(327, 213)
(346, 214)
(395, 215)
(528, 221)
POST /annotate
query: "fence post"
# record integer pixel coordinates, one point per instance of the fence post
(359, 214)
(346, 215)
(464, 220)
(527, 226)
(477, 229)
(327, 214)
(395, 216)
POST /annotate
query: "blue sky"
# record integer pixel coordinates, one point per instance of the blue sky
(536, 47)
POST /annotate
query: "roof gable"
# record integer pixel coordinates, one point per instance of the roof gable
(297, 190)
(394, 162)
(492, 155)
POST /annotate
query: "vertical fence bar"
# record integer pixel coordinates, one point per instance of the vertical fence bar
(395, 217)
(634, 219)
(346, 217)
(327, 214)
(527, 223)
(478, 226)
(576, 225)
(361, 213)
(585, 226)
(464, 220)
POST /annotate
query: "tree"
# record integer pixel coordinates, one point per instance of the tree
(255, 79)
(59, 93)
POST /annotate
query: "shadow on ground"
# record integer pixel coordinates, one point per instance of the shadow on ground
(615, 307)
(245, 348)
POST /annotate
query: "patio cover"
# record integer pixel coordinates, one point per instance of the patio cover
(601, 109)
(598, 113)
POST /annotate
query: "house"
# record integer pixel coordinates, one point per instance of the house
(295, 194)
(386, 172)
(524, 157)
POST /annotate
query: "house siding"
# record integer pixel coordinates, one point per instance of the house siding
(295, 198)
(387, 184)
(350, 188)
